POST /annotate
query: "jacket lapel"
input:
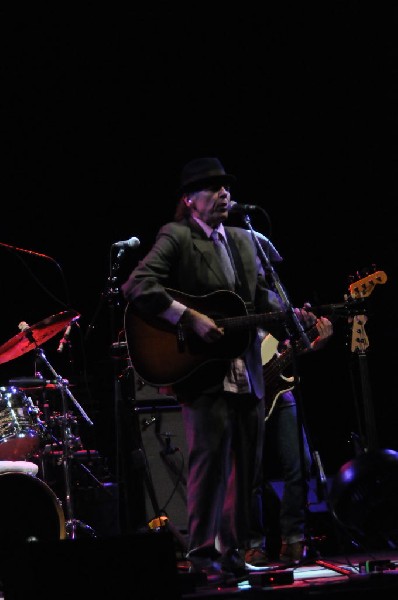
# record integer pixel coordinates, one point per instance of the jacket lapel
(208, 252)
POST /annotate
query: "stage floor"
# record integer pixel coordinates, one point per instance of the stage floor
(355, 577)
(147, 566)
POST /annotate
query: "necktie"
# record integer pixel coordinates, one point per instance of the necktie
(224, 257)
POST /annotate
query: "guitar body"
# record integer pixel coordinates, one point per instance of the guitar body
(159, 355)
(275, 382)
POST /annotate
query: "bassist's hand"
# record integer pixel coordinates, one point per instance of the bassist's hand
(306, 317)
(325, 330)
(323, 325)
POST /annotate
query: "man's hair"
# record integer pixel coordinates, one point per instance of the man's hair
(182, 210)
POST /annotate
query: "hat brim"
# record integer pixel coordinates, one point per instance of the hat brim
(200, 184)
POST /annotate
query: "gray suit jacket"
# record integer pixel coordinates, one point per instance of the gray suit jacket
(184, 259)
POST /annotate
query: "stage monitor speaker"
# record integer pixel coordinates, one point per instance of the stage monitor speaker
(164, 444)
(364, 496)
(132, 566)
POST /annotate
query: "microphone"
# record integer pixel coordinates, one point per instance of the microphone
(133, 242)
(25, 327)
(65, 339)
(235, 207)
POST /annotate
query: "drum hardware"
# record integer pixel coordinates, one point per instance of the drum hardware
(29, 384)
(30, 338)
(53, 446)
(81, 455)
(62, 422)
(51, 452)
(72, 524)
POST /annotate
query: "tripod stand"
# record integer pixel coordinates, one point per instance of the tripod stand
(72, 525)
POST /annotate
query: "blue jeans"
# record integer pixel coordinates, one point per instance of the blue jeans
(283, 432)
(282, 452)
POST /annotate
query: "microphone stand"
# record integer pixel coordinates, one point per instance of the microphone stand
(131, 459)
(297, 332)
(130, 506)
(128, 458)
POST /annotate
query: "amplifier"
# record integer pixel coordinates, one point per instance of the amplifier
(164, 444)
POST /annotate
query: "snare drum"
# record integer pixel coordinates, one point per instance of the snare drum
(30, 510)
(19, 425)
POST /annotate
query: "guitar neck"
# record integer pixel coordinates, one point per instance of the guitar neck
(248, 321)
(285, 358)
(262, 320)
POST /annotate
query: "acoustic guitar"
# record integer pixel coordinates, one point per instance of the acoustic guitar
(163, 354)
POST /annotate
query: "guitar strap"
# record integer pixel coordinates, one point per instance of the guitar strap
(242, 287)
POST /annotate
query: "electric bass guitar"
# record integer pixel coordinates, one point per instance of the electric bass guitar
(359, 345)
(274, 363)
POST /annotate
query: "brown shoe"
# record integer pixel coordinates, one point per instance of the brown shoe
(256, 557)
(292, 553)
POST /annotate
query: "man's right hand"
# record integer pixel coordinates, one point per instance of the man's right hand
(202, 325)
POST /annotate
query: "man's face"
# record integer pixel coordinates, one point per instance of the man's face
(211, 204)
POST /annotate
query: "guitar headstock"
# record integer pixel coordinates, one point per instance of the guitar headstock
(365, 286)
(359, 290)
(359, 339)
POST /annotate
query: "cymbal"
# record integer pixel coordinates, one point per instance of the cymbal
(36, 335)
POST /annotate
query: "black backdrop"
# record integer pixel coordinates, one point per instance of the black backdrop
(102, 109)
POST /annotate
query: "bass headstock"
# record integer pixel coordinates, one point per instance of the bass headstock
(363, 287)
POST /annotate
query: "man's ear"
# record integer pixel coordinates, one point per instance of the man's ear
(187, 201)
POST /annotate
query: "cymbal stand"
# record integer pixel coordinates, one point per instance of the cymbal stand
(71, 524)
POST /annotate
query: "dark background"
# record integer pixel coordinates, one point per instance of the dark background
(100, 111)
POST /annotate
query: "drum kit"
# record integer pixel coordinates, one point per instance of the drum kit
(29, 435)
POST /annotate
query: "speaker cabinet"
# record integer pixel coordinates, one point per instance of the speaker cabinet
(164, 444)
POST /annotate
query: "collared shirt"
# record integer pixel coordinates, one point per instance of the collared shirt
(237, 378)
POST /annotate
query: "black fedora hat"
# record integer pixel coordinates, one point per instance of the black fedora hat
(203, 171)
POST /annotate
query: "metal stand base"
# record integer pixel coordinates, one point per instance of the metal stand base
(73, 525)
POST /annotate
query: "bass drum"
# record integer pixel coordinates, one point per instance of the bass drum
(30, 510)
